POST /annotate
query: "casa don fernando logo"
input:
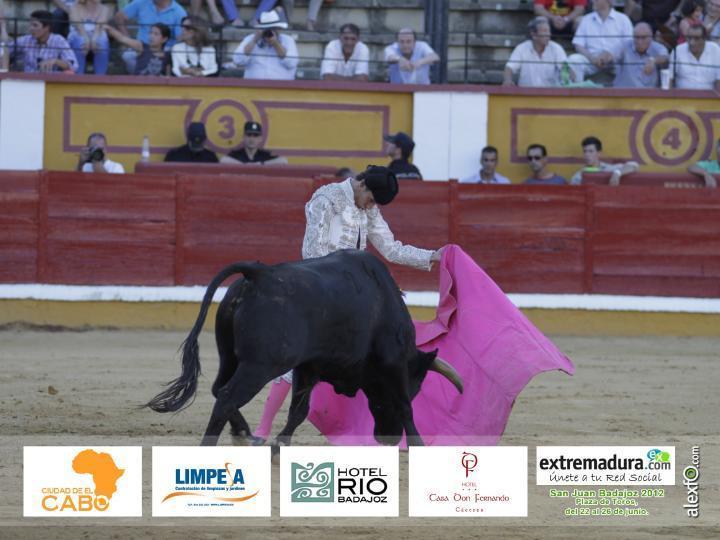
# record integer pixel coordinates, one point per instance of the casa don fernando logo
(221, 484)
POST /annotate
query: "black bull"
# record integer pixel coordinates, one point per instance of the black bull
(339, 319)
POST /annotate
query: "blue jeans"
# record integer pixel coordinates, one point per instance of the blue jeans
(101, 57)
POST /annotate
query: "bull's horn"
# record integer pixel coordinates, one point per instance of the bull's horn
(447, 371)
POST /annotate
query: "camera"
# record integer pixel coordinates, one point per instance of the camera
(95, 153)
(268, 33)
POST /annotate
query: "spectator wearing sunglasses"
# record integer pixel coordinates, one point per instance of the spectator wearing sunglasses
(252, 150)
(537, 160)
(193, 56)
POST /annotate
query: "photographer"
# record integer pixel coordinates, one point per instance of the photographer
(268, 54)
(92, 158)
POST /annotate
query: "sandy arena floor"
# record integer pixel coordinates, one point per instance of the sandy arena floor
(627, 391)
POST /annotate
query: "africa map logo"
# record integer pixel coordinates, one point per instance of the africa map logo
(67, 481)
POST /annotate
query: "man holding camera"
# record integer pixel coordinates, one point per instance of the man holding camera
(267, 53)
(92, 158)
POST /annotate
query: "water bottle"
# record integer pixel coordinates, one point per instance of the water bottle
(3, 52)
(145, 154)
(565, 74)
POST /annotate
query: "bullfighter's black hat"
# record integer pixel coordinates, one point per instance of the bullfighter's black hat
(381, 182)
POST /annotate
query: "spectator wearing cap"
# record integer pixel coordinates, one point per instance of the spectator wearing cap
(40, 50)
(345, 215)
(194, 151)
(268, 53)
(696, 63)
(538, 60)
(410, 59)
(346, 58)
(487, 173)
(639, 60)
(399, 147)
(252, 150)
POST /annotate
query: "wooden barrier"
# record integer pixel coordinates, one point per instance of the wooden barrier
(301, 171)
(142, 229)
(658, 180)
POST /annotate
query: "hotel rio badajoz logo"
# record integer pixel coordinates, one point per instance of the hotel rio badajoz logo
(211, 481)
(72, 481)
(339, 481)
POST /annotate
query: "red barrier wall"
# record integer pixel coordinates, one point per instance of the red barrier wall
(74, 228)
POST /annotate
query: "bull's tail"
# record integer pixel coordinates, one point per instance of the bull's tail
(181, 391)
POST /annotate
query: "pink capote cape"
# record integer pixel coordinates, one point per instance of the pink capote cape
(492, 345)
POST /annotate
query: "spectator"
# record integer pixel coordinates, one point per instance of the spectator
(487, 173)
(538, 60)
(268, 54)
(639, 60)
(61, 17)
(692, 14)
(696, 64)
(712, 20)
(147, 13)
(87, 18)
(41, 50)
(193, 56)
(229, 7)
(346, 58)
(410, 59)
(564, 15)
(152, 58)
(252, 150)
(233, 16)
(599, 40)
(592, 147)
(194, 150)
(706, 169)
(312, 15)
(399, 148)
(537, 160)
(93, 158)
(658, 14)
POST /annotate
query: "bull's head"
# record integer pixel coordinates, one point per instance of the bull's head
(382, 394)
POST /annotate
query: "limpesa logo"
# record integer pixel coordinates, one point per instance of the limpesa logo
(328, 483)
(74, 498)
(226, 484)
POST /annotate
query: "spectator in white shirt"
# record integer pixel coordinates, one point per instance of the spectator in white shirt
(599, 40)
(93, 159)
(410, 59)
(268, 54)
(537, 60)
(487, 173)
(346, 58)
(193, 56)
(696, 63)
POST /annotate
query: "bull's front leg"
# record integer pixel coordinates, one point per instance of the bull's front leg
(412, 435)
(303, 384)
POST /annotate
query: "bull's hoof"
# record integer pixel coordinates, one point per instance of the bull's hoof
(240, 440)
(257, 441)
